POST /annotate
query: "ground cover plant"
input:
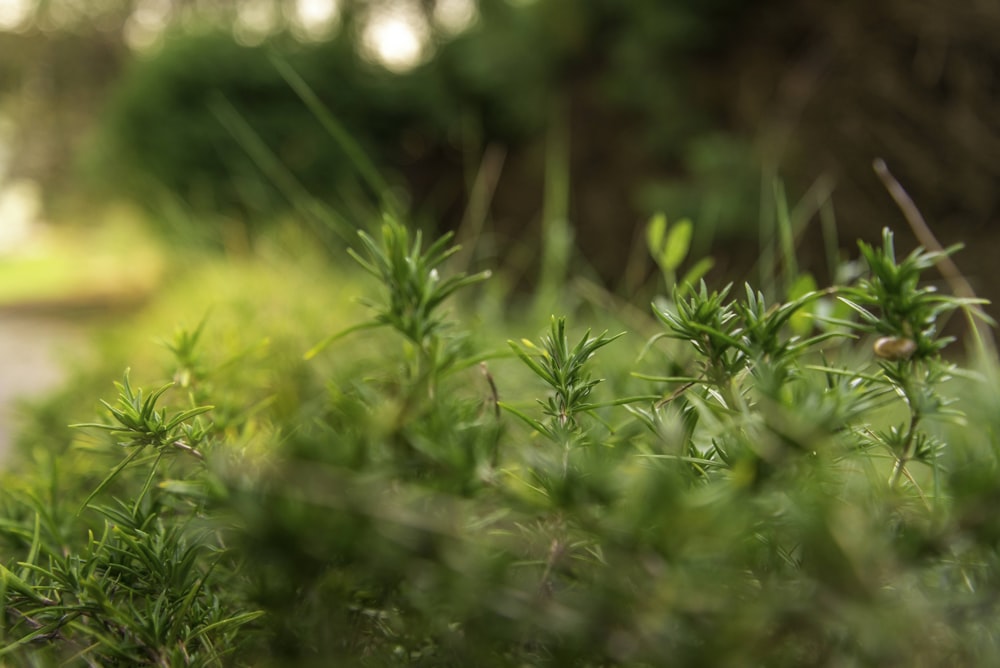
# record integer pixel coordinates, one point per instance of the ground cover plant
(802, 477)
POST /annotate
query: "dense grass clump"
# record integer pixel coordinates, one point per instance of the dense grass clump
(762, 481)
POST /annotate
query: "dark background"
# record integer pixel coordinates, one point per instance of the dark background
(692, 107)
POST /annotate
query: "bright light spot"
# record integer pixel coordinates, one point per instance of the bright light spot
(137, 37)
(396, 42)
(255, 20)
(20, 209)
(314, 19)
(153, 13)
(397, 39)
(14, 13)
(147, 21)
(454, 16)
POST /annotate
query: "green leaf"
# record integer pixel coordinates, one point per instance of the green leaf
(695, 274)
(40, 632)
(656, 230)
(13, 583)
(530, 421)
(677, 245)
(228, 624)
(319, 347)
(801, 321)
(184, 416)
(530, 362)
(108, 478)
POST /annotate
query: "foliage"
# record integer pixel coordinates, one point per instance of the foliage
(185, 118)
(135, 590)
(218, 126)
(669, 248)
(753, 494)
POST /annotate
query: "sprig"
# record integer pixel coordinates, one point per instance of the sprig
(563, 367)
(414, 291)
(137, 424)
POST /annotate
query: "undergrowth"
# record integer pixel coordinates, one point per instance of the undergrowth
(768, 480)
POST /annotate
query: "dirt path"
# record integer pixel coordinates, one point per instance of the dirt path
(33, 351)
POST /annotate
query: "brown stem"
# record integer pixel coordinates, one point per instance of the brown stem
(181, 445)
(949, 270)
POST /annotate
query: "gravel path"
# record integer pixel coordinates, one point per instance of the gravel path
(32, 352)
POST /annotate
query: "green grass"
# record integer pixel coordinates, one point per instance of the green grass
(294, 478)
(105, 264)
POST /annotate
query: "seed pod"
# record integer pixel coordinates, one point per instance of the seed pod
(894, 348)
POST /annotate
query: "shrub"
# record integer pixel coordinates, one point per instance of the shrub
(183, 120)
(747, 495)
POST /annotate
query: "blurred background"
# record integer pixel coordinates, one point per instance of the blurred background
(134, 130)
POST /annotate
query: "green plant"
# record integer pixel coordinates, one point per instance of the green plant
(415, 291)
(140, 425)
(909, 319)
(147, 584)
(561, 366)
(669, 247)
(750, 356)
(784, 496)
(906, 310)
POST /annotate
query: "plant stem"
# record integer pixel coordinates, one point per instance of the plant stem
(904, 457)
(181, 445)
